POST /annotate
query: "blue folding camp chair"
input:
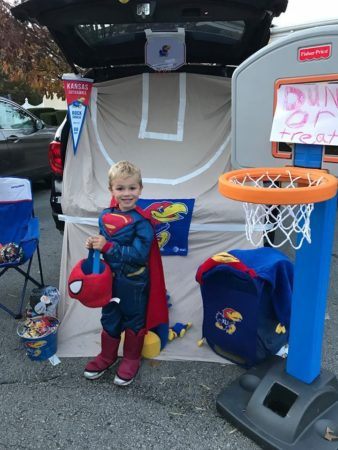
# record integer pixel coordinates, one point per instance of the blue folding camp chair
(19, 234)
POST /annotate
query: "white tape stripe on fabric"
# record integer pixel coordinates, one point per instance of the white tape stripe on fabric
(143, 134)
(193, 227)
(93, 110)
(191, 175)
(79, 220)
(145, 106)
(168, 181)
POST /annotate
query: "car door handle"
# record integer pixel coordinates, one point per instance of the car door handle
(13, 138)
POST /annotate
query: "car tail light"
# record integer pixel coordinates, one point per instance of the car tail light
(55, 159)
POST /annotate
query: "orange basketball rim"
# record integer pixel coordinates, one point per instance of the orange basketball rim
(278, 185)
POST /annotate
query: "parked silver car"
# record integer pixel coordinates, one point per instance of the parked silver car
(24, 141)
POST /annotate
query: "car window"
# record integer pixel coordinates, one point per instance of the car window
(14, 118)
(103, 34)
(114, 33)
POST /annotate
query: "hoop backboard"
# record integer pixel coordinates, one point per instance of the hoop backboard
(298, 60)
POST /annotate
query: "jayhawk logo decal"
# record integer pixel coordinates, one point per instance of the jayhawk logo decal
(79, 102)
(162, 214)
(34, 348)
(227, 319)
(164, 50)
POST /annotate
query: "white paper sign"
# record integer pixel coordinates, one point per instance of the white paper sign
(306, 114)
(164, 50)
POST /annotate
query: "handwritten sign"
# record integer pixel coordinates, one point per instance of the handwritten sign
(306, 114)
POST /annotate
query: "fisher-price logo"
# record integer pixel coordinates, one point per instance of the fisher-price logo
(311, 53)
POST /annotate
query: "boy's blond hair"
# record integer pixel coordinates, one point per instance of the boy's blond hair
(123, 169)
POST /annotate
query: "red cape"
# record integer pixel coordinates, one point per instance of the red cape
(157, 310)
(210, 263)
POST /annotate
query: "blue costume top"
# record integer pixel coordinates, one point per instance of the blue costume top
(129, 237)
(133, 254)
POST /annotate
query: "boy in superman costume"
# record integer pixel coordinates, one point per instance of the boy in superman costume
(128, 244)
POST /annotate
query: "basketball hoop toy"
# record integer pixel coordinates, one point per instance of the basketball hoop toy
(284, 399)
(278, 199)
(302, 202)
(291, 403)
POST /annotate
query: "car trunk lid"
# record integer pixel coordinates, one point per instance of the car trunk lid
(112, 32)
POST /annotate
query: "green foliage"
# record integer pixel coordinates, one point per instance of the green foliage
(50, 116)
(38, 111)
(18, 91)
(29, 55)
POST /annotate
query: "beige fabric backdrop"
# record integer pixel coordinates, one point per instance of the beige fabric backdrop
(176, 128)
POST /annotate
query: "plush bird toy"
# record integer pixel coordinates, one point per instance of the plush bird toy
(178, 330)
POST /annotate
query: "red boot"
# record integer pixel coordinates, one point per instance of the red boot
(108, 356)
(130, 364)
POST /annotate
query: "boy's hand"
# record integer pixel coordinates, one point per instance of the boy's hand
(96, 242)
(88, 243)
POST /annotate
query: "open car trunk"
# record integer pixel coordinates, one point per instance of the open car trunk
(175, 126)
(104, 33)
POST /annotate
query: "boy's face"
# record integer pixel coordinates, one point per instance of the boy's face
(126, 192)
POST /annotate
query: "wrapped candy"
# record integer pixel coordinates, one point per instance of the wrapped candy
(11, 253)
(37, 327)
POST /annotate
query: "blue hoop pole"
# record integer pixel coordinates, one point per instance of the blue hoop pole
(311, 281)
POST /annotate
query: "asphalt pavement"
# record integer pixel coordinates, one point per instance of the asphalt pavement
(171, 405)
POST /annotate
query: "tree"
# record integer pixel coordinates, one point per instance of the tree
(18, 90)
(29, 54)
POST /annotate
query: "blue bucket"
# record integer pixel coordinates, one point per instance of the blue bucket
(41, 347)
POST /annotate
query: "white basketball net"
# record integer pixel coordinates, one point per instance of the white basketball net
(292, 221)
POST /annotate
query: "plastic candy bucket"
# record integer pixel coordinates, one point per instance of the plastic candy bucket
(91, 281)
(39, 347)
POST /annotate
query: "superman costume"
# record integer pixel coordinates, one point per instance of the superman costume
(133, 255)
(131, 250)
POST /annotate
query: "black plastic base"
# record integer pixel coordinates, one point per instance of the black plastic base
(280, 412)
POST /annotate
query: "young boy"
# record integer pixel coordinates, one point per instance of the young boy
(128, 244)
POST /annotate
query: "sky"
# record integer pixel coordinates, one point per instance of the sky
(305, 11)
